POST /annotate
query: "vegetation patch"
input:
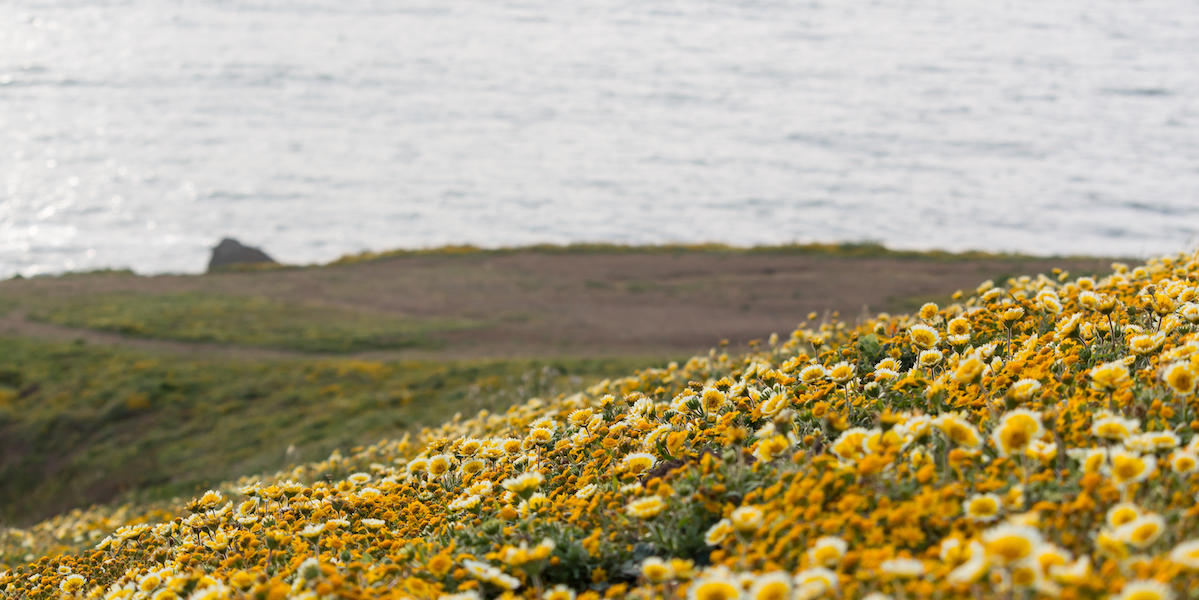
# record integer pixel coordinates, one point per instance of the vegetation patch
(246, 321)
(82, 424)
(1033, 439)
(838, 249)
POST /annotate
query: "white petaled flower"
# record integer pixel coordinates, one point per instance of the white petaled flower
(1122, 513)
(970, 571)
(467, 595)
(1088, 300)
(982, 507)
(883, 375)
(812, 373)
(1181, 377)
(747, 518)
(930, 358)
(1142, 531)
(841, 372)
(1109, 376)
(1145, 589)
(1184, 462)
(637, 462)
(559, 592)
(1190, 312)
(1186, 554)
(715, 583)
(476, 569)
(827, 551)
(1126, 467)
(1049, 302)
(72, 583)
(768, 586)
(923, 336)
(774, 404)
(718, 532)
(466, 502)
(656, 570)
(505, 581)
(1141, 442)
(818, 579)
(1163, 440)
(312, 530)
(1145, 344)
(645, 508)
(902, 567)
(1025, 389)
(1008, 544)
(1114, 427)
(524, 482)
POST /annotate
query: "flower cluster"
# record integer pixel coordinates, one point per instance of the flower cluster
(1035, 439)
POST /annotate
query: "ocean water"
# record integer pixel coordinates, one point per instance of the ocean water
(136, 133)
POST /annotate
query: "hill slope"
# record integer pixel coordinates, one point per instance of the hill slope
(1036, 439)
(115, 386)
(82, 423)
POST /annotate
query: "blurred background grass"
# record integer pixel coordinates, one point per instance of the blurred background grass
(246, 320)
(81, 423)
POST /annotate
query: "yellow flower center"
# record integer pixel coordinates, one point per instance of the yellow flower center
(654, 572)
(825, 555)
(1014, 438)
(1181, 379)
(716, 590)
(983, 507)
(1049, 559)
(1144, 533)
(775, 590)
(1127, 468)
(1010, 549)
(1024, 577)
(1144, 595)
(1123, 515)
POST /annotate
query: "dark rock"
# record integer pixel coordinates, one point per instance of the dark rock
(231, 252)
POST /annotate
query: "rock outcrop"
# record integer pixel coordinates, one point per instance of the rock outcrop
(231, 252)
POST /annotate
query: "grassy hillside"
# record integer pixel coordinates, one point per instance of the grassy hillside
(244, 320)
(115, 385)
(1036, 439)
(81, 423)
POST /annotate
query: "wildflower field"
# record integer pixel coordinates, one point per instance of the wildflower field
(1030, 439)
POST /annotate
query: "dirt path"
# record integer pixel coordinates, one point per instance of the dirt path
(539, 304)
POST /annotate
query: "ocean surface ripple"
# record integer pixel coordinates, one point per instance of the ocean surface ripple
(136, 133)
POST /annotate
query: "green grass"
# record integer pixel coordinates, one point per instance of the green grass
(81, 424)
(841, 249)
(245, 320)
